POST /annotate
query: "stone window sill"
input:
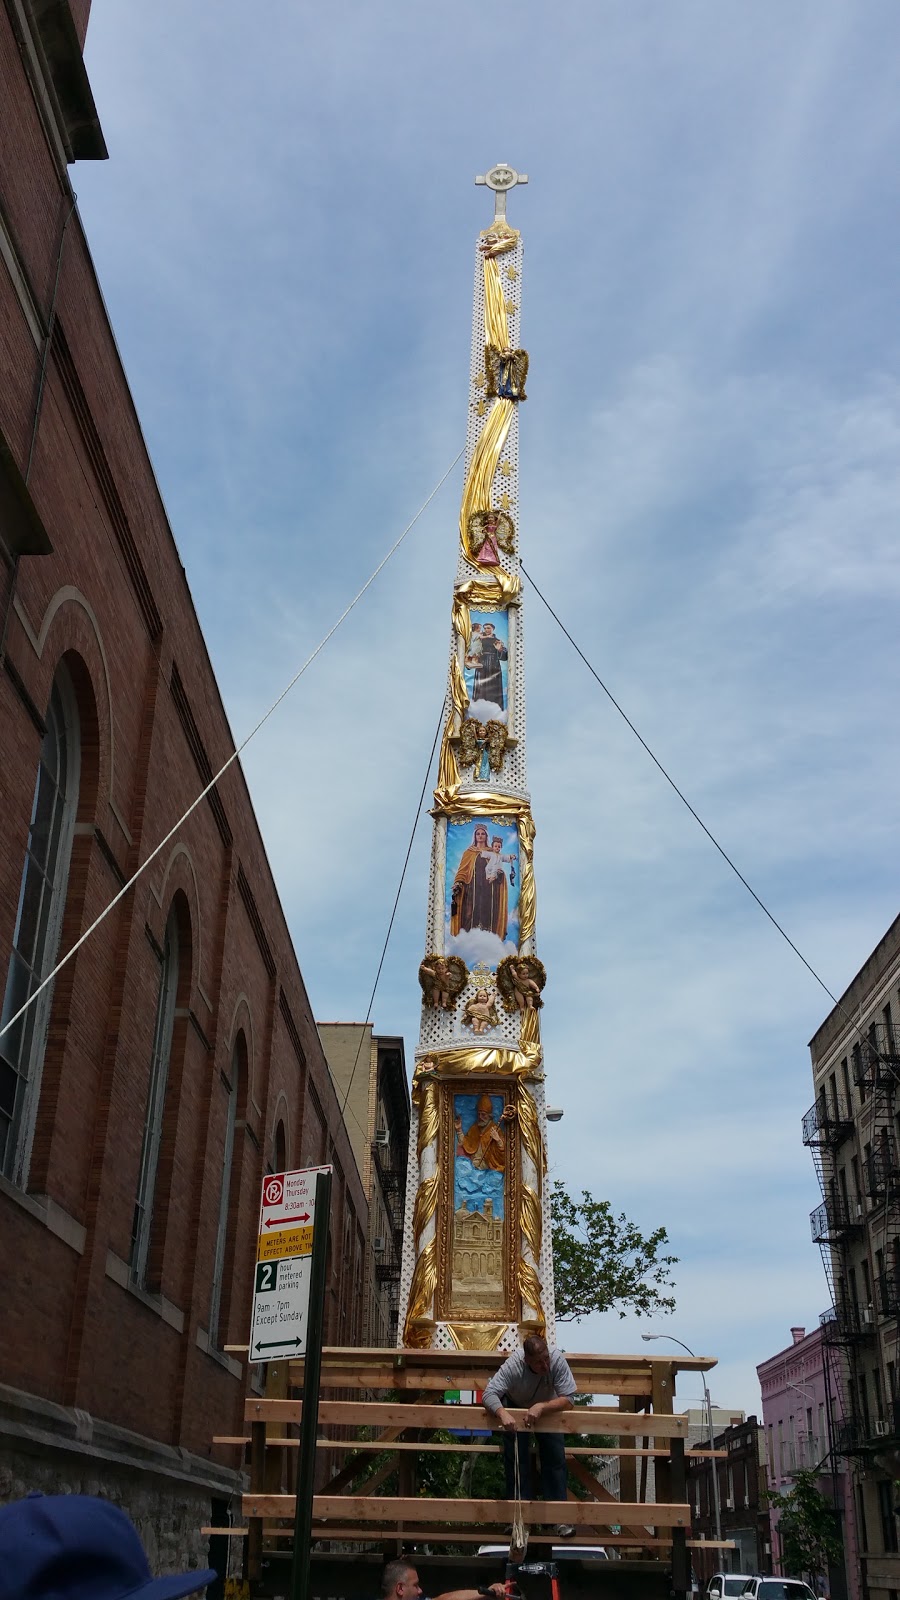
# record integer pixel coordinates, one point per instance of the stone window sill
(230, 1365)
(46, 1211)
(118, 1270)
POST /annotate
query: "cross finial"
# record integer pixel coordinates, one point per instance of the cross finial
(501, 179)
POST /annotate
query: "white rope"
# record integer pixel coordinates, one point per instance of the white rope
(233, 757)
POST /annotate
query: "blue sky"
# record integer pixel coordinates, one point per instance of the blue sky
(710, 477)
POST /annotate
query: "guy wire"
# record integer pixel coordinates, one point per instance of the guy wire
(697, 818)
(232, 758)
(437, 734)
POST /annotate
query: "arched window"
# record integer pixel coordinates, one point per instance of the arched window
(156, 1097)
(35, 945)
(279, 1148)
(238, 1056)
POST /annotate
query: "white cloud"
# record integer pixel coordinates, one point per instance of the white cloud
(477, 944)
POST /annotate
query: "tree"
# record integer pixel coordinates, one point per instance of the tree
(807, 1527)
(602, 1262)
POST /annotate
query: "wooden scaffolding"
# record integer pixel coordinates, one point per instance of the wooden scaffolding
(390, 1403)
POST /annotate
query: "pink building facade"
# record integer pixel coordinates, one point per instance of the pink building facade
(800, 1411)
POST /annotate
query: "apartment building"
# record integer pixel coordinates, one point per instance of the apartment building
(853, 1131)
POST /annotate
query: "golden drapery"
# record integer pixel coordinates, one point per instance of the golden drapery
(424, 1280)
(476, 1335)
(496, 322)
(527, 893)
(482, 469)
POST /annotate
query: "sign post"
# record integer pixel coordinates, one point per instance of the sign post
(281, 1289)
(312, 1368)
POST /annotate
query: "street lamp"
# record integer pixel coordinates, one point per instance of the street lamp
(709, 1418)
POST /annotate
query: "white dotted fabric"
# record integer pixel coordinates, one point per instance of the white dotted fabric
(441, 1029)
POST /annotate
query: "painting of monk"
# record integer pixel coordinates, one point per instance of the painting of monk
(485, 666)
(482, 891)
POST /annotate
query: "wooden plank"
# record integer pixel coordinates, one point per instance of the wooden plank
(458, 1536)
(456, 1448)
(580, 1513)
(590, 1380)
(536, 1541)
(598, 1490)
(446, 1360)
(375, 1413)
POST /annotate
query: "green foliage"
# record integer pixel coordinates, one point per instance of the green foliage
(807, 1527)
(602, 1262)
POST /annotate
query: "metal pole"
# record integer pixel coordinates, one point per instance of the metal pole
(312, 1368)
(713, 1463)
(709, 1420)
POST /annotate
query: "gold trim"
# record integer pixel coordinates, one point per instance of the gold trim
(484, 803)
(527, 893)
(476, 1335)
(421, 1292)
(530, 1290)
(491, 1060)
(419, 1335)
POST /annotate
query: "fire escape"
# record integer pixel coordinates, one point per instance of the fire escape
(865, 1291)
(392, 1181)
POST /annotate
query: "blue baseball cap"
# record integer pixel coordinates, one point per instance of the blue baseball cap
(76, 1547)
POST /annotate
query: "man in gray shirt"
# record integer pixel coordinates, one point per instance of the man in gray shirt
(539, 1380)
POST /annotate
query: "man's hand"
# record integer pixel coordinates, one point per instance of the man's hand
(506, 1421)
(534, 1414)
(498, 1589)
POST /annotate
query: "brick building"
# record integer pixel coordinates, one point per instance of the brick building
(369, 1072)
(853, 1131)
(741, 1477)
(176, 1057)
(801, 1413)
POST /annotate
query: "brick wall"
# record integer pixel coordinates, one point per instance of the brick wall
(112, 603)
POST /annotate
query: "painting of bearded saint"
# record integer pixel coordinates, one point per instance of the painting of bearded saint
(485, 665)
(480, 1143)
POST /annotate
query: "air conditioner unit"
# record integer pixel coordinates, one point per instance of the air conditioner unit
(866, 1316)
(379, 1244)
(729, 1503)
(880, 1427)
(382, 1136)
(860, 1213)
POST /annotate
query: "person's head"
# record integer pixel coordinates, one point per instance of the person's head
(476, 627)
(488, 630)
(400, 1581)
(491, 521)
(536, 1353)
(480, 836)
(496, 844)
(78, 1547)
(484, 1110)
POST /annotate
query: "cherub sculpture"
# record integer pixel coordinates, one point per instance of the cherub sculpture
(506, 371)
(520, 980)
(495, 737)
(480, 1013)
(472, 739)
(490, 532)
(443, 979)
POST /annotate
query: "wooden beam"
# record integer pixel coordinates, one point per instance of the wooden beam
(375, 1413)
(446, 1360)
(598, 1490)
(456, 1536)
(394, 1509)
(458, 1448)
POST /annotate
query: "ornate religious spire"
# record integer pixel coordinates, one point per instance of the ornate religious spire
(477, 1263)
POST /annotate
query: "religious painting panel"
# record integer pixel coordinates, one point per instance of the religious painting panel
(482, 880)
(486, 666)
(479, 1208)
